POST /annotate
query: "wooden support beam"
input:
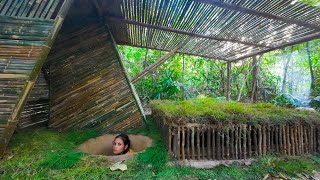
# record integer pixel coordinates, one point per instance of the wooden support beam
(13, 120)
(228, 81)
(301, 40)
(253, 12)
(159, 62)
(121, 20)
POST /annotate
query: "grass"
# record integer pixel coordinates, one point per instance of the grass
(208, 110)
(45, 154)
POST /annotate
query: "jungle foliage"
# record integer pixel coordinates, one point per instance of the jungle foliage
(185, 77)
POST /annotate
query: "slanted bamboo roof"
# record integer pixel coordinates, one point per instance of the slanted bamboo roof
(227, 30)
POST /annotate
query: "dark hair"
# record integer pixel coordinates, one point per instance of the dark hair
(126, 141)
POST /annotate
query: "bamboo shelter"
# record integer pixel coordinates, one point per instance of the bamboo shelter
(86, 81)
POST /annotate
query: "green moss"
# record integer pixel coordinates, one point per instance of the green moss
(204, 109)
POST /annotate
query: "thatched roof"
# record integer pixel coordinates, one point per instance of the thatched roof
(228, 29)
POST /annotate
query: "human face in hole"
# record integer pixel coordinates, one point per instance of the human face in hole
(118, 146)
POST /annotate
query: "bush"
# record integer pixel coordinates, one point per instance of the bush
(286, 100)
(315, 103)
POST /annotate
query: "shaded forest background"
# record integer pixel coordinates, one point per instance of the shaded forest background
(290, 75)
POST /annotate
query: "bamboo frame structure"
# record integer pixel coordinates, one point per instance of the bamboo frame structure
(241, 141)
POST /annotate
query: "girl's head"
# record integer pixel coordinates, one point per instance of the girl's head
(121, 144)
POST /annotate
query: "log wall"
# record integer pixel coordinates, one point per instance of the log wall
(194, 141)
(88, 85)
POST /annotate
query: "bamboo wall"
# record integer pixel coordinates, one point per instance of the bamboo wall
(194, 141)
(27, 31)
(36, 111)
(44, 9)
(21, 42)
(88, 86)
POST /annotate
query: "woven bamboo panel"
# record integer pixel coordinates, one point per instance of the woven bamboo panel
(36, 111)
(225, 29)
(44, 9)
(21, 41)
(87, 83)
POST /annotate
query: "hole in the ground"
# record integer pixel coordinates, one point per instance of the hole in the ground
(102, 145)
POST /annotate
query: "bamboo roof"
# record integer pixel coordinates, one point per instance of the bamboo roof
(228, 30)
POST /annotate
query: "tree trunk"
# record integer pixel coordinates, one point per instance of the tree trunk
(254, 79)
(311, 69)
(228, 81)
(284, 82)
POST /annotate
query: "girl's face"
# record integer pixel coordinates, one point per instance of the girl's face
(118, 146)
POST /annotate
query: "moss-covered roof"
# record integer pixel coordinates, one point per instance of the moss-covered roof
(209, 110)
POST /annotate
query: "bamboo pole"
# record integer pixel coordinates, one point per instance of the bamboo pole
(240, 141)
(209, 143)
(232, 142)
(264, 140)
(179, 143)
(175, 144)
(236, 141)
(188, 143)
(218, 137)
(213, 144)
(222, 144)
(284, 139)
(296, 137)
(318, 140)
(202, 143)
(307, 139)
(198, 143)
(183, 144)
(268, 130)
(192, 143)
(300, 140)
(245, 142)
(260, 140)
(169, 140)
(255, 141)
(228, 143)
(287, 132)
(272, 143)
(292, 141)
(249, 142)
